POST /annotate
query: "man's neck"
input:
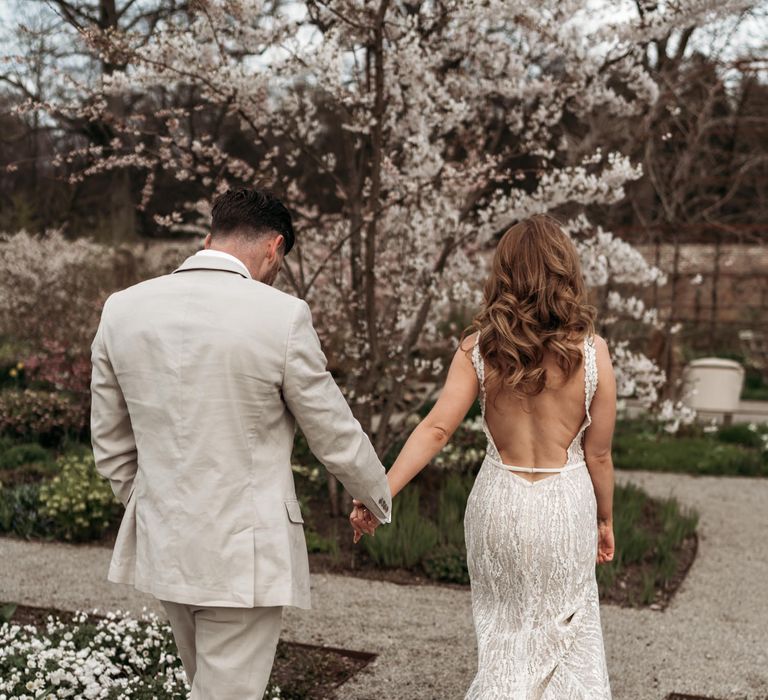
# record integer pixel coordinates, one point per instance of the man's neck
(230, 256)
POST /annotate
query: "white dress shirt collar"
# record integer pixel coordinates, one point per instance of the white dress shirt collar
(221, 254)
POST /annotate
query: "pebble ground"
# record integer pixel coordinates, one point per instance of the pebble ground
(712, 640)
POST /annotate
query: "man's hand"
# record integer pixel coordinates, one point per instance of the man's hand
(362, 521)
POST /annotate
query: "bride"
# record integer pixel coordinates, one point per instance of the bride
(540, 513)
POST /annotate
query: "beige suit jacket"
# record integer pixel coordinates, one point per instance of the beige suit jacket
(198, 380)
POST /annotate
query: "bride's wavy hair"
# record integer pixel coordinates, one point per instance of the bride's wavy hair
(535, 301)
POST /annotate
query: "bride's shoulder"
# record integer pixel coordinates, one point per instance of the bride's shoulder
(467, 342)
(602, 355)
(601, 346)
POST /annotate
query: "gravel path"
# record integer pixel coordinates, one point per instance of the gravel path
(712, 640)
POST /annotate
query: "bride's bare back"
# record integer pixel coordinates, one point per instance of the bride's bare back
(537, 431)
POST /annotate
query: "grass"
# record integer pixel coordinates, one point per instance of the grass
(409, 538)
(650, 536)
(733, 450)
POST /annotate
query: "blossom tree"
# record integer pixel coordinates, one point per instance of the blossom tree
(405, 136)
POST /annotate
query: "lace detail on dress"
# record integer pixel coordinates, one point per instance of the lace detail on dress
(531, 549)
(576, 448)
(479, 365)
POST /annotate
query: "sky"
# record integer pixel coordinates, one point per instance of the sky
(750, 36)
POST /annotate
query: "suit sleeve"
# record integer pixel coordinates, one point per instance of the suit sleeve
(335, 437)
(114, 445)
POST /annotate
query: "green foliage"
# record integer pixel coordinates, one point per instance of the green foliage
(12, 373)
(317, 544)
(20, 511)
(734, 460)
(451, 504)
(447, 563)
(24, 454)
(405, 542)
(646, 535)
(414, 540)
(6, 612)
(755, 386)
(45, 417)
(78, 501)
(75, 505)
(734, 450)
(629, 503)
(24, 463)
(740, 434)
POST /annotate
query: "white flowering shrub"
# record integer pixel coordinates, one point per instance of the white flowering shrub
(110, 658)
(674, 414)
(113, 657)
(51, 287)
(404, 136)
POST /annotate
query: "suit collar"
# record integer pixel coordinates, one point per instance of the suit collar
(205, 262)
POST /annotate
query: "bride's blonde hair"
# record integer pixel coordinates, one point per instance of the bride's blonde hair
(535, 301)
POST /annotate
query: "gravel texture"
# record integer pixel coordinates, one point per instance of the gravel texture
(712, 640)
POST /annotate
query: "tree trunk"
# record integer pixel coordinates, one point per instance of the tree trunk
(714, 296)
(122, 208)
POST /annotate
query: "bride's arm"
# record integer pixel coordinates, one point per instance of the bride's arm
(599, 435)
(433, 433)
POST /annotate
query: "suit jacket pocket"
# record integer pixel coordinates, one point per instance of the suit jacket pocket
(294, 511)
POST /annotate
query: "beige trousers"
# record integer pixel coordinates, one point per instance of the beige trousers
(227, 653)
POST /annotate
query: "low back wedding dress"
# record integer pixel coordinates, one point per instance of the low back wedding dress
(531, 550)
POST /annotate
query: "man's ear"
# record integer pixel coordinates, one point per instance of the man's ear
(274, 246)
(207, 241)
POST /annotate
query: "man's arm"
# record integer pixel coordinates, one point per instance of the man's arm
(334, 435)
(114, 445)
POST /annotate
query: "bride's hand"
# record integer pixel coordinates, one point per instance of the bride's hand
(605, 543)
(362, 521)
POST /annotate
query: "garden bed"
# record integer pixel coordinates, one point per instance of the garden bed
(656, 547)
(300, 672)
(51, 495)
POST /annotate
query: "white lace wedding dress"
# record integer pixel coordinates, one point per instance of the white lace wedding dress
(531, 549)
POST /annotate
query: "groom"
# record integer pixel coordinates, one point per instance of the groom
(199, 378)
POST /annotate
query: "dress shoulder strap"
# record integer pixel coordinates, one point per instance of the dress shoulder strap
(590, 370)
(477, 361)
(479, 365)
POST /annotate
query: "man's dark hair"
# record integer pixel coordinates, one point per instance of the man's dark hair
(255, 212)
